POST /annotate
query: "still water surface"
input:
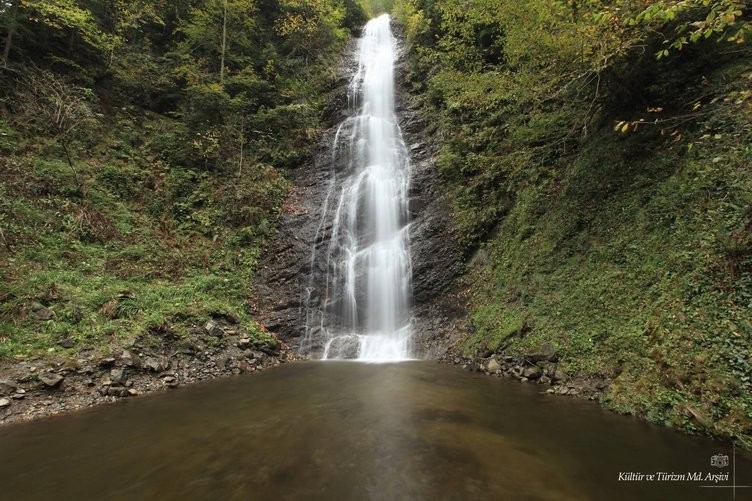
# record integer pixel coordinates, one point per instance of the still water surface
(343, 430)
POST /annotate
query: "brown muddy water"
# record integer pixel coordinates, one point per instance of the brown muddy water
(343, 430)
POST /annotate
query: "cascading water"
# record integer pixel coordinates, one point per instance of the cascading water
(363, 295)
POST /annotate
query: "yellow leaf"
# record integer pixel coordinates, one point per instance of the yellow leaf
(625, 128)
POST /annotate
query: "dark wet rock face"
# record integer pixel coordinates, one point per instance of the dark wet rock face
(288, 293)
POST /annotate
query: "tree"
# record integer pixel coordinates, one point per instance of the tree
(695, 20)
(218, 31)
(310, 25)
(9, 11)
(48, 104)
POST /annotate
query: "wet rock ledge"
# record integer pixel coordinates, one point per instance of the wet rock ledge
(156, 361)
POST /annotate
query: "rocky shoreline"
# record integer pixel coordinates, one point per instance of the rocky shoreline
(542, 368)
(155, 362)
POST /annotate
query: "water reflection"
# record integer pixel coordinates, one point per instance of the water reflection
(342, 430)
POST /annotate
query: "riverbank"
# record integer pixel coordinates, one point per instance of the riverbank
(541, 368)
(602, 207)
(155, 362)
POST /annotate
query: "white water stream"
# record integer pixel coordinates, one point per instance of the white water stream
(365, 313)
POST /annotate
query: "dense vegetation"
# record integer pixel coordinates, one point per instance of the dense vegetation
(143, 151)
(597, 155)
(598, 158)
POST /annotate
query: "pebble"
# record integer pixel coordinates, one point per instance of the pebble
(4, 402)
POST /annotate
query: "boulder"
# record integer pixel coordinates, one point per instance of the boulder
(493, 366)
(117, 376)
(107, 362)
(51, 380)
(117, 391)
(153, 365)
(44, 314)
(67, 343)
(213, 329)
(7, 387)
(532, 372)
(559, 375)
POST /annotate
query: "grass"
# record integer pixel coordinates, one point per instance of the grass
(634, 270)
(144, 244)
(630, 254)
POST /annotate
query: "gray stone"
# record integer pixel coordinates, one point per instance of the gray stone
(67, 343)
(4, 402)
(7, 387)
(117, 376)
(51, 380)
(532, 372)
(44, 314)
(153, 364)
(493, 366)
(245, 366)
(107, 362)
(244, 343)
(213, 329)
(117, 391)
(559, 375)
(546, 354)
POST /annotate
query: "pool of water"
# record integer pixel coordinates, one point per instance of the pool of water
(345, 430)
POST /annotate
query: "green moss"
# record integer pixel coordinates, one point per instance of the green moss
(628, 253)
(140, 246)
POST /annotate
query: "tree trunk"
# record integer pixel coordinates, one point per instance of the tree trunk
(13, 14)
(242, 146)
(224, 42)
(70, 164)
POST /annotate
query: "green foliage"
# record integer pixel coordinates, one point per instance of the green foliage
(178, 120)
(629, 254)
(695, 20)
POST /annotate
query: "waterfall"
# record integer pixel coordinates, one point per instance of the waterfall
(358, 299)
